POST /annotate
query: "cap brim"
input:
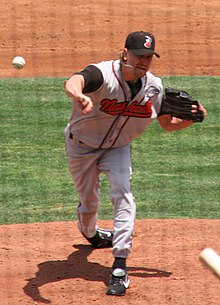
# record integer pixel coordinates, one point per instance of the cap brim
(141, 52)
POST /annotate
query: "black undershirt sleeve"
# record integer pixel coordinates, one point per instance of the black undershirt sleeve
(93, 78)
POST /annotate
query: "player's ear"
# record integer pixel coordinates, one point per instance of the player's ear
(124, 55)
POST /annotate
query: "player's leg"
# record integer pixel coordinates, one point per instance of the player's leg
(82, 163)
(116, 163)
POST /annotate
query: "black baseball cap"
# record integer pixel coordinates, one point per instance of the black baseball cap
(141, 43)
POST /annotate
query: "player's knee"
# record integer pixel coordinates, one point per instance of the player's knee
(122, 197)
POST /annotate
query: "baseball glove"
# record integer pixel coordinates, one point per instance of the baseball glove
(179, 103)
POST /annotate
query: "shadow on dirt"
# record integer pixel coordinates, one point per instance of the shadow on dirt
(77, 266)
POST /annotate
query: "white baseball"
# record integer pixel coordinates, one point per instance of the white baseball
(18, 62)
(212, 259)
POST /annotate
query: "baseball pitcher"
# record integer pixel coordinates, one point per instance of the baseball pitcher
(113, 102)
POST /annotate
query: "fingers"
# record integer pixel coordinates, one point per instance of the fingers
(199, 107)
(87, 108)
(85, 103)
(194, 109)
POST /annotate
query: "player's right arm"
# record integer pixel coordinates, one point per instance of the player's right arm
(74, 87)
(88, 80)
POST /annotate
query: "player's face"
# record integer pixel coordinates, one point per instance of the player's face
(135, 66)
(140, 63)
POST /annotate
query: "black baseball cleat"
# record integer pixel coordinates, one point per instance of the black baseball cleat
(102, 239)
(118, 282)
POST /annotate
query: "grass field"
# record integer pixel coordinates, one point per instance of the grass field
(176, 175)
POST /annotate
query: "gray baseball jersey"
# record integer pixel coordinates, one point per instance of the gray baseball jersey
(116, 118)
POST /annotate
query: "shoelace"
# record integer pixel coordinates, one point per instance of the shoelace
(115, 280)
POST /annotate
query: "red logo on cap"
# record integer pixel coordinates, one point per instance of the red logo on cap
(148, 41)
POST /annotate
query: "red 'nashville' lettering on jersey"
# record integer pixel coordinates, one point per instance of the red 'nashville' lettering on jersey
(112, 107)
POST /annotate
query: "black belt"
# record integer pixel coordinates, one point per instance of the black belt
(71, 137)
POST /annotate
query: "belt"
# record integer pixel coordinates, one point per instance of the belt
(71, 137)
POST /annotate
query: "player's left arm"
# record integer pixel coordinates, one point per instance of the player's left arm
(170, 123)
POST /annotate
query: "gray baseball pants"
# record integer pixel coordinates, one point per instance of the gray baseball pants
(86, 164)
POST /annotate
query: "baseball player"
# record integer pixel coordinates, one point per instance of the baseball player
(113, 102)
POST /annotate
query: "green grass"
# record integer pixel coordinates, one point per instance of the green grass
(176, 175)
